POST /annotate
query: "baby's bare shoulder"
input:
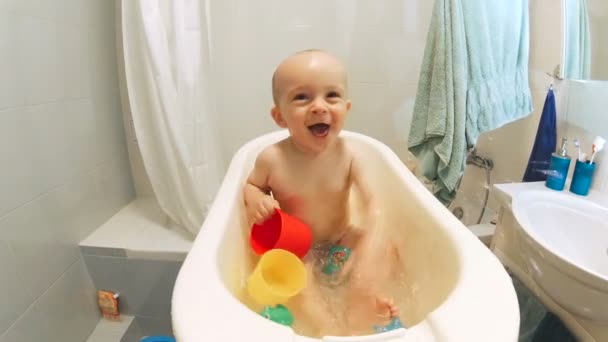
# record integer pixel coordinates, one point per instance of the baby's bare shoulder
(349, 152)
(270, 154)
(355, 159)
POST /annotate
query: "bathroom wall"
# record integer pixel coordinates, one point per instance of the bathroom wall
(65, 168)
(598, 26)
(381, 42)
(586, 112)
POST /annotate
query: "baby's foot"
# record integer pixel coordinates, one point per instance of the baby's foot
(387, 308)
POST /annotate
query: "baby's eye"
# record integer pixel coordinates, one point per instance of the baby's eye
(300, 97)
(333, 94)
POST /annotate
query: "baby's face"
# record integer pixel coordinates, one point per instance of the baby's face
(311, 101)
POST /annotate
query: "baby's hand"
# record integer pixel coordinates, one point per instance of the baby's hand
(261, 211)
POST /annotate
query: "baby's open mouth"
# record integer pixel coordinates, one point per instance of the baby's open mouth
(319, 130)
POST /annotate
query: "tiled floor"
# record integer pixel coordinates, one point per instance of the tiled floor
(110, 331)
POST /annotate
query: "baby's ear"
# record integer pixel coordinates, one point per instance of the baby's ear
(348, 105)
(278, 117)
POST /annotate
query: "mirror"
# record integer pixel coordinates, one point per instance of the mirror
(585, 48)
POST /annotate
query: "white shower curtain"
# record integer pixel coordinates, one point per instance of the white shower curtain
(166, 52)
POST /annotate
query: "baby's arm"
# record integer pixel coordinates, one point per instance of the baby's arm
(258, 202)
(370, 244)
(371, 210)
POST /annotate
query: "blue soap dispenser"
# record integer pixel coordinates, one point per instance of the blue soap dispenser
(558, 168)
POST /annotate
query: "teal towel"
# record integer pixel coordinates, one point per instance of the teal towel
(474, 78)
(577, 59)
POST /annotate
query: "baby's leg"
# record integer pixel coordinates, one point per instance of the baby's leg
(366, 302)
(310, 308)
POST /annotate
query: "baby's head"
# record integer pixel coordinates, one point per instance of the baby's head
(310, 98)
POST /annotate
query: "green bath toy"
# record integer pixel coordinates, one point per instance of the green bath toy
(279, 314)
(338, 255)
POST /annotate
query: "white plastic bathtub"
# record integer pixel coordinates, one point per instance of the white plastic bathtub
(460, 291)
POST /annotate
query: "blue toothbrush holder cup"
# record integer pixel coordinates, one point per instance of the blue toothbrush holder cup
(558, 170)
(582, 177)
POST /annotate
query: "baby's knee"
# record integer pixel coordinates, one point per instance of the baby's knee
(351, 237)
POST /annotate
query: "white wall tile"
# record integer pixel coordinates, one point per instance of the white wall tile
(73, 61)
(9, 6)
(63, 157)
(80, 127)
(32, 326)
(105, 96)
(20, 181)
(545, 38)
(70, 305)
(76, 209)
(381, 50)
(586, 105)
(103, 77)
(47, 131)
(298, 13)
(369, 116)
(117, 189)
(380, 16)
(71, 12)
(402, 101)
(371, 57)
(31, 234)
(39, 59)
(16, 299)
(37, 9)
(58, 139)
(11, 87)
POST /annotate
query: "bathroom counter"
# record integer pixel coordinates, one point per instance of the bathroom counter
(507, 191)
(139, 230)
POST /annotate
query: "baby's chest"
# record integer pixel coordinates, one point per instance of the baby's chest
(308, 186)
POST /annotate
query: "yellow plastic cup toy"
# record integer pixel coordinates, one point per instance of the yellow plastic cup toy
(278, 276)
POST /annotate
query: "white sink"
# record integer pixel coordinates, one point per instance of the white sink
(564, 237)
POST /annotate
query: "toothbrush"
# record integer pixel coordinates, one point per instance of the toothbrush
(577, 144)
(598, 145)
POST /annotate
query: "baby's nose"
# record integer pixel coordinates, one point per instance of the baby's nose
(319, 106)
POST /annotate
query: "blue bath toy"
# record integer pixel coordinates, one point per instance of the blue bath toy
(395, 323)
(338, 255)
(158, 339)
(279, 314)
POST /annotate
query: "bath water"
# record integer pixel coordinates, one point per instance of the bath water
(335, 304)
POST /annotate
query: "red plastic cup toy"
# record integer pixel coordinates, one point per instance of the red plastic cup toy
(283, 232)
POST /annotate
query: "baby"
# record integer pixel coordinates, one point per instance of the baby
(309, 176)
